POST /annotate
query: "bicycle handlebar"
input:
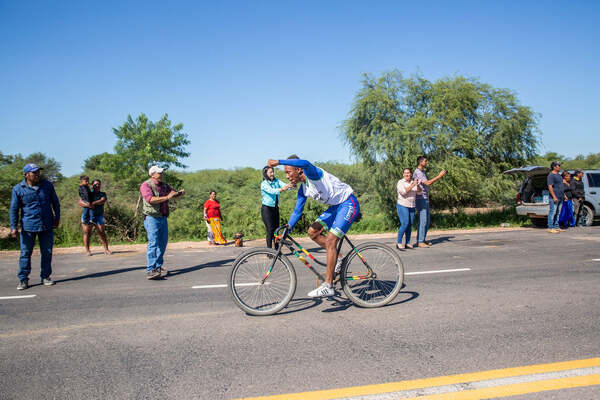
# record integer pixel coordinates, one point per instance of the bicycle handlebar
(285, 233)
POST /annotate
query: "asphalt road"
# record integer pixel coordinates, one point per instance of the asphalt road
(105, 332)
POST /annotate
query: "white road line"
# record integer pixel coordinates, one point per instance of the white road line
(407, 273)
(595, 259)
(223, 285)
(29, 296)
(208, 286)
(438, 271)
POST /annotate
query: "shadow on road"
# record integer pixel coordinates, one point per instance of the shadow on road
(174, 272)
(300, 305)
(117, 252)
(100, 274)
(340, 303)
(124, 270)
(442, 239)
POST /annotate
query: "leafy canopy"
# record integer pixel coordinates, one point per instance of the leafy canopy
(141, 144)
(469, 128)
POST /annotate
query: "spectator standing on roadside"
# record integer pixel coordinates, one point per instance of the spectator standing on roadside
(567, 218)
(97, 200)
(270, 188)
(213, 219)
(155, 207)
(578, 191)
(407, 196)
(422, 200)
(556, 189)
(35, 206)
(86, 213)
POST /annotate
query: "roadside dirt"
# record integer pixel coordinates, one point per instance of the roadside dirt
(250, 243)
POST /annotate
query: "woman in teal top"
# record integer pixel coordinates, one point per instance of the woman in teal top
(270, 189)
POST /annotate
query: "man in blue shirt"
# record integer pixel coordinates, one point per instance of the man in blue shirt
(36, 201)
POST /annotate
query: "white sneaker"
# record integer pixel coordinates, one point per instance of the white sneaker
(338, 266)
(325, 290)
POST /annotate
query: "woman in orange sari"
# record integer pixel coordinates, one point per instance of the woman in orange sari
(213, 218)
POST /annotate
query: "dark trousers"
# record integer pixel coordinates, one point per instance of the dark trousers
(270, 217)
(46, 239)
(577, 207)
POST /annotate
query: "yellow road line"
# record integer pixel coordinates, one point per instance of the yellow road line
(437, 381)
(515, 389)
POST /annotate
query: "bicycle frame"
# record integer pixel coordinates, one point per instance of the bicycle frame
(285, 235)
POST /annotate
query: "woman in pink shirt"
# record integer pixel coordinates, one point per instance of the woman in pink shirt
(407, 194)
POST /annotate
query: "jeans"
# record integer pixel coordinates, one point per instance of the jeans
(86, 215)
(407, 217)
(554, 213)
(46, 239)
(157, 230)
(424, 218)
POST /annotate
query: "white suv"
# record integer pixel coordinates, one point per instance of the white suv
(533, 196)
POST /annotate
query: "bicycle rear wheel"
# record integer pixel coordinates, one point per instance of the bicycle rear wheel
(255, 292)
(379, 285)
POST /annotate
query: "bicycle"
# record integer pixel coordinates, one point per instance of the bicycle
(263, 281)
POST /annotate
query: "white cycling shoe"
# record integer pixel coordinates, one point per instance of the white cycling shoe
(325, 290)
(338, 266)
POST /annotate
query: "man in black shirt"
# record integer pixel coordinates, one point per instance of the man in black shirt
(578, 194)
(557, 194)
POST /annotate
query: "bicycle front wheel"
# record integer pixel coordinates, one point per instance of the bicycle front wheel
(259, 289)
(372, 275)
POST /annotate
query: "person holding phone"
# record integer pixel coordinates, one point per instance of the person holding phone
(407, 198)
(422, 200)
(155, 207)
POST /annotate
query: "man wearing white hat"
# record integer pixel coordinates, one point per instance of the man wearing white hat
(155, 207)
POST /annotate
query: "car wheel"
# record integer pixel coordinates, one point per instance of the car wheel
(587, 216)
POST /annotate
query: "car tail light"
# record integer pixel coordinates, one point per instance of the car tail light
(519, 198)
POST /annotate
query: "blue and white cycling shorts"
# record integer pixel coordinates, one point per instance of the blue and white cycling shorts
(339, 218)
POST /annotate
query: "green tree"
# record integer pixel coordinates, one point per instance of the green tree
(469, 128)
(11, 170)
(103, 162)
(591, 161)
(143, 143)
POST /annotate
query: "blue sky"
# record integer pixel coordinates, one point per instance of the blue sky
(253, 80)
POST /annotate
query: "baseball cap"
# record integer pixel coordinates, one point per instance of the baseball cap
(31, 168)
(155, 169)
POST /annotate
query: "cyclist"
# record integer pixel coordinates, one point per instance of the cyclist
(320, 185)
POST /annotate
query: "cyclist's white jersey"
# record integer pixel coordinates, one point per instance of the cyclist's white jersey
(320, 184)
(328, 190)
